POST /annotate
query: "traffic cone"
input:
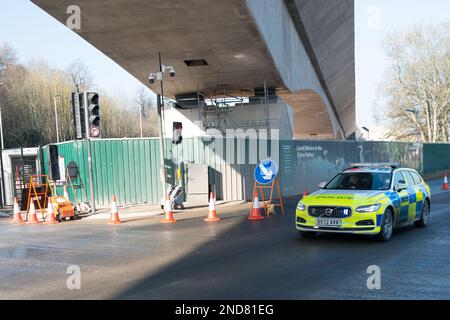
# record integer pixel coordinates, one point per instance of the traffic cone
(168, 216)
(32, 213)
(114, 212)
(212, 214)
(255, 213)
(445, 184)
(305, 193)
(66, 194)
(17, 216)
(50, 214)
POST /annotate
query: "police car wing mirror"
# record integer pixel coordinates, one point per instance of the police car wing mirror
(322, 185)
(401, 185)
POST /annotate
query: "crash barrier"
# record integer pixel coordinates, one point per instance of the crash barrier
(130, 168)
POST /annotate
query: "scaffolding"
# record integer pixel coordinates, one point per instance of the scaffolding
(214, 112)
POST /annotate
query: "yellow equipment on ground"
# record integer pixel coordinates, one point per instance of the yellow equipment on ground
(63, 208)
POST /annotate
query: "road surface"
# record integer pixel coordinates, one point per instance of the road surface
(232, 259)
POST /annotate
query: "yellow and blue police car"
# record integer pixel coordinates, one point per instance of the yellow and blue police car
(370, 199)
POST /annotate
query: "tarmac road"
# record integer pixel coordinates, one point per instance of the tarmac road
(232, 259)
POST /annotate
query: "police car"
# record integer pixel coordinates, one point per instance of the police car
(368, 199)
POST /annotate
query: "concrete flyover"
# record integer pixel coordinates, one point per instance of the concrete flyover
(304, 49)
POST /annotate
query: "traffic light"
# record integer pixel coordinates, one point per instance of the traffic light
(93, 114)
(177, 135)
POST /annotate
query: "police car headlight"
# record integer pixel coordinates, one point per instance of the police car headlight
(371, 208)
(301, 206)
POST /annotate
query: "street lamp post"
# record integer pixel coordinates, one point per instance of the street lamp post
(3, 194)
(158, 76)
(1, 126)
(56, 116)
(2, 67)
(140, 118)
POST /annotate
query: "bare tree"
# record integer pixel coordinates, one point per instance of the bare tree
(144, 101)
(80, 75)
(416, 88)
(7, 54)
(27, 96)
(144, 105)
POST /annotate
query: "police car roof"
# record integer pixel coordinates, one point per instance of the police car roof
(369, 169)
(372, 167)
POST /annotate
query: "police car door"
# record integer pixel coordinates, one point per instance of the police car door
(412, 193)
(401, 199)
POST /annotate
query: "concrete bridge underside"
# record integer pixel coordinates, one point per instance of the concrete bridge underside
(303, 48)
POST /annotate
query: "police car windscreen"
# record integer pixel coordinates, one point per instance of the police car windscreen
(360, 181)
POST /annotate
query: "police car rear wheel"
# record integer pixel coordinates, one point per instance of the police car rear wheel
(387, 226)
(422, 223)
(307, 234)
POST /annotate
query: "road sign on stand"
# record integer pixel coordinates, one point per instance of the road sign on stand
(266, 171)
(266, 178)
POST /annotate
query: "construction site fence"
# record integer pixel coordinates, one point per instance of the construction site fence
(130, 168)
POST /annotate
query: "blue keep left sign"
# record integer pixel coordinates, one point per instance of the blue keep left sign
(266, 171)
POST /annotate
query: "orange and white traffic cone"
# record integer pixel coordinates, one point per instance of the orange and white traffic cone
(445, 184)
(66, 193)
(212, 214)
(32, 213)
(17, 216)
(168, 216)
(50, 214)
(114, 212)
(305, 193)
(255, 213)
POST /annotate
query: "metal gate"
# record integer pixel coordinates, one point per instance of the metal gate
(23, 168)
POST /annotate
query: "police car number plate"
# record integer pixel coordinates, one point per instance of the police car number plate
(324, 222)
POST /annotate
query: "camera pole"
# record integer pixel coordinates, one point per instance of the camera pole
(160, 106)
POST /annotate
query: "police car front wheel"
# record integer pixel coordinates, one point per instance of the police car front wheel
(387, 226)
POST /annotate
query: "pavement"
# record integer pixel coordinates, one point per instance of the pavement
(231, 259)
(131, 212)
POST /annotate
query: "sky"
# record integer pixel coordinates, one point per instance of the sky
(36, 35)
(374, 19)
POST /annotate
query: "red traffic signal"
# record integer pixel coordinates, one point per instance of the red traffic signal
(177, 134)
